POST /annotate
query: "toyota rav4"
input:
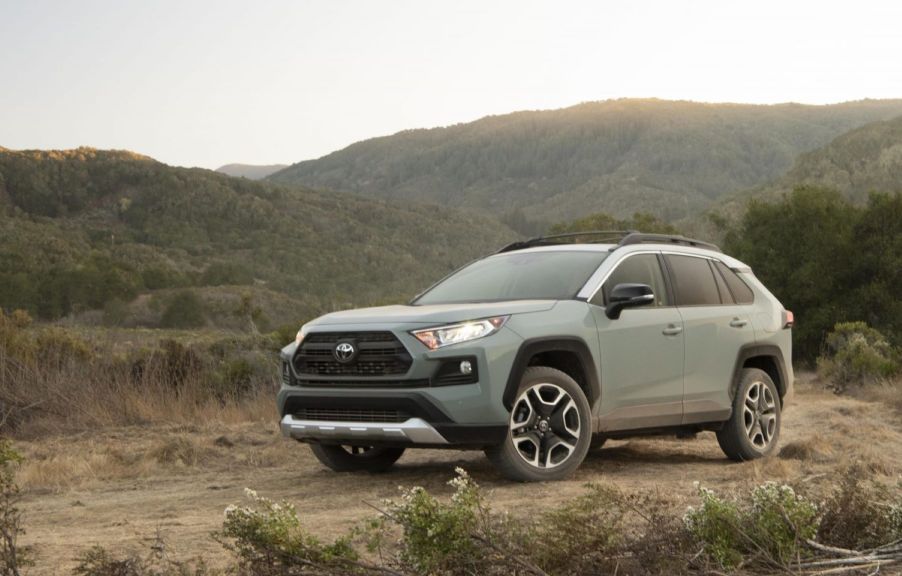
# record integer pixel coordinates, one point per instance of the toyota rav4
(543, 350)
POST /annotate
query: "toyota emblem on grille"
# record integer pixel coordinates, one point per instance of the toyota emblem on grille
(345, 351)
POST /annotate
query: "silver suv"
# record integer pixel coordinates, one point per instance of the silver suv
(544, 350)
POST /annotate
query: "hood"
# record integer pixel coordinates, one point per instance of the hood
(433, 314)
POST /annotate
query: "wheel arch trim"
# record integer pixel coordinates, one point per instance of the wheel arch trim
(750, 351)
(570, 344)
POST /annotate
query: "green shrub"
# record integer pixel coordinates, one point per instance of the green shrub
(13, 557)
(437, 536)
(780, 520)
(770, 524)
(856, 354)
(716, 526)
(268, 539)
(184, 310)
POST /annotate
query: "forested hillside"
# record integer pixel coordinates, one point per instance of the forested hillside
(670, 159)
(81, 228)
(864, 160)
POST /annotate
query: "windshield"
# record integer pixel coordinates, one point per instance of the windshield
(552, 275)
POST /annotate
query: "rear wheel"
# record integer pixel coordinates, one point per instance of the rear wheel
(346, 458)
(754, 427)
(549, 431)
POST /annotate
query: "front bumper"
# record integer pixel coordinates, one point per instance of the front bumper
(413, 431)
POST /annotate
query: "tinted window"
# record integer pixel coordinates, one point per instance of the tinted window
(694, 283)
(726, 297)
(554, 275)
(638, 269)
(740, 290)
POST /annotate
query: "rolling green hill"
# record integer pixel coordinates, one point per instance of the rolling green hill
(864, 160)
(82, 228)
(671, 159)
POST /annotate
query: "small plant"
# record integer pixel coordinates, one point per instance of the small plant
(98, 561)
(780, 521)
(861, 514)
(594, 528)
(856, 354)
(437, 537)
(716, 525)
(13, 557)
(269, 540)
(770, 525)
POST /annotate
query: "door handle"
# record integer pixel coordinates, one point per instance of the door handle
(738, 323)
(672, 330)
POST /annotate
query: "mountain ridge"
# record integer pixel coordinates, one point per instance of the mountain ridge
(669, 158)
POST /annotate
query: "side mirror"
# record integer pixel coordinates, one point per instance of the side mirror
(628, 296)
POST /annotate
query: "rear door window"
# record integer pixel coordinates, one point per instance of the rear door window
(693, 281)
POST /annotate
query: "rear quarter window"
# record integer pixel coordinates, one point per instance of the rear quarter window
(740, 290)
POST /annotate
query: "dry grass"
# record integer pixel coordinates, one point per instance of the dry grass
(66, 384)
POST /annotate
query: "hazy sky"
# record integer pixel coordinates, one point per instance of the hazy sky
(206, 83)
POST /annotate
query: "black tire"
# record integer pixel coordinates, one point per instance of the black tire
(753, 429)
(356, 458)
(559, 445)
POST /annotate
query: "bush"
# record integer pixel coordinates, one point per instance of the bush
(268, 539)
(98, 561)
(772, 524)
(860, 515)
(594, 528)
(184, 310)
(436, 535)
(13, 557)
(856, 354)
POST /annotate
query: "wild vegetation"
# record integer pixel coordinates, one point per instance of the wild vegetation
(770, 528)
(827, 260)
(670, 159)
(83, 229)
(54, 379)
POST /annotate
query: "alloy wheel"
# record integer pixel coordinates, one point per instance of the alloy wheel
(545, 425)
(760, 415)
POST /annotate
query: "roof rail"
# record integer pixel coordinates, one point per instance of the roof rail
(640, 238)
(621, 237)
(609, 237)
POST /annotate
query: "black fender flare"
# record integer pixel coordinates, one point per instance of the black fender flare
(757, 350)
(533, 346)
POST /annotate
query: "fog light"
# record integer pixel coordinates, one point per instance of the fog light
(466, 367)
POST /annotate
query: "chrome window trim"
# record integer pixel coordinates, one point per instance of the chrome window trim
(587, 293)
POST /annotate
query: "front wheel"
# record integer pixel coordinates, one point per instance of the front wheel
(356, 458)
(549, 431)
(754, 427)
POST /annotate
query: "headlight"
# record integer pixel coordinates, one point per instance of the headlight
(300, 335)
(435, 338)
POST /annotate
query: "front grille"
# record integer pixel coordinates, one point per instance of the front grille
(351, 415)
(378, 354)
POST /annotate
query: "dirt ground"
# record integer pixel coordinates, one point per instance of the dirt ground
(119, 487)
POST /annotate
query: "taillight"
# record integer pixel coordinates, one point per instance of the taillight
(788, 319)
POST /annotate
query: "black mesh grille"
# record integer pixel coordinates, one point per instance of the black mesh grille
(350, 415)
(378, 354)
